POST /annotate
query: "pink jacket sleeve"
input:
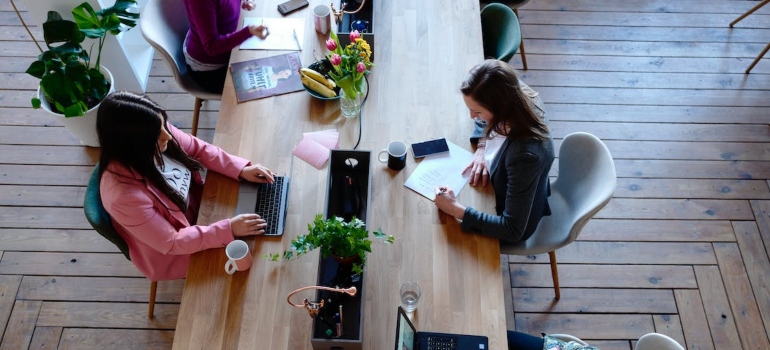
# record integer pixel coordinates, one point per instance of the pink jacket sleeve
(137, 213)
(212, 157)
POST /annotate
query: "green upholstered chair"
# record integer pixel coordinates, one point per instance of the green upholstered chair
(514, 5)
(100, 220)
(500, 31)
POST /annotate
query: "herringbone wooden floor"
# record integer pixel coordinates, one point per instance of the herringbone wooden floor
(681, 249)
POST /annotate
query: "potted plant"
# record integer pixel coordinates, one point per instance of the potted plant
(347, 241)
(69, 84)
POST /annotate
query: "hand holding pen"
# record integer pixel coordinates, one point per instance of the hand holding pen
(446, 202)
(259, 31)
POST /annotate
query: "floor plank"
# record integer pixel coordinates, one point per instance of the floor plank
(21, 325)
(605, 326)
(64, 288)
(739, 293)
(652, 253)
(46, 338)
(658, 230)
(604, 276)
(693, 317)
(757, 264)
(717, 308)
(106, 315)
(594, 300)
(127, 339)
(9, 286)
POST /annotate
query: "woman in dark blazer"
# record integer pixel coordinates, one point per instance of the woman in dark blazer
(514, 151)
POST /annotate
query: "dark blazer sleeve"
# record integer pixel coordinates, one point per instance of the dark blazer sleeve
(519, 190)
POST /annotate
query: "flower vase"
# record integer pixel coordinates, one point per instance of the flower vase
(350, 106)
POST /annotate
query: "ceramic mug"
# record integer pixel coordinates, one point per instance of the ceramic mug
(396, 155)
(238, 257)
(322, 19)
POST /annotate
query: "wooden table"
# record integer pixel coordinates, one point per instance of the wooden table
(423, 51)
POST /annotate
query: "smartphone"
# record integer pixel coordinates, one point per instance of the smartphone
(426, 148)
(291, 6)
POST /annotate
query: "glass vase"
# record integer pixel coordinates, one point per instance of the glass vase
(350, 106)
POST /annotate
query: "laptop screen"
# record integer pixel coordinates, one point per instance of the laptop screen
(405, 332)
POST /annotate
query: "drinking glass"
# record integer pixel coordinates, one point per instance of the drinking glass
(410, 295)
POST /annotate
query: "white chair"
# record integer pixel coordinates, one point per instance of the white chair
(657, 341)
(164, 25)
(584, 185)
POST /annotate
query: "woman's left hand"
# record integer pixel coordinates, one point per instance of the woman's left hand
(257, 173)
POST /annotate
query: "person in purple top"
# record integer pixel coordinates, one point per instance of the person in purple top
(213, 34)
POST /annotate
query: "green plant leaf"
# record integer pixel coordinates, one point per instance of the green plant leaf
(61, 31)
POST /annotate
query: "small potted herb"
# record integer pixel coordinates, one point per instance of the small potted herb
(347, 241)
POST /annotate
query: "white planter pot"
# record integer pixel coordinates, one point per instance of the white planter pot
(83, 127)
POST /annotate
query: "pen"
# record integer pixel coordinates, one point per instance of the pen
(299, 47)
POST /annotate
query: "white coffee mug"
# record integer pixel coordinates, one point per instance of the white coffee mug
(238, 257)
(322, 18)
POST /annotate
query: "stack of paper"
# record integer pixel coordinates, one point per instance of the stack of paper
(285, 34)
(316, 146)
(445, 169)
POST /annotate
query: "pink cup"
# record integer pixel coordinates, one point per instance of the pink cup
(238, 257)
(322, 18)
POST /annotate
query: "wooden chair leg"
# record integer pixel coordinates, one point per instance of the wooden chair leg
(763, 3)
(761, 54)
(196, 113)
(151, 308)
(555, 275)
(521, 46)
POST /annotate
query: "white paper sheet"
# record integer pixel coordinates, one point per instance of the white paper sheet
(443, 169)
(281, 34)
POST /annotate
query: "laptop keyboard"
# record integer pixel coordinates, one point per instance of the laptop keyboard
(269, 204)
(441, 343)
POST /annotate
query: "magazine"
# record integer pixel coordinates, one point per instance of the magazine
(267, 76)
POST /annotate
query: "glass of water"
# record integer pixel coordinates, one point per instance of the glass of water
(410, 294)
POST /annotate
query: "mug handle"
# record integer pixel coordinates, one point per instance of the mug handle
(230, 267)
(379, 156)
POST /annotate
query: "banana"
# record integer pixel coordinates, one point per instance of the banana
(317, 86)
(318, 77)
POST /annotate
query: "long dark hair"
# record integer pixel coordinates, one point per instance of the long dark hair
(493, 84)
(128, 125)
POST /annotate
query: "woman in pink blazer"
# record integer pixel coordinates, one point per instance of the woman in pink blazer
(151, 185)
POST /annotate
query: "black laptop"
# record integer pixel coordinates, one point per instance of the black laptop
(408, 338)
(270, 201)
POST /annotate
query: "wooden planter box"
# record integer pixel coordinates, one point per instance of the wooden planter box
(347, 194)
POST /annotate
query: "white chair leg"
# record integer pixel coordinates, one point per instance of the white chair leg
(555, 275)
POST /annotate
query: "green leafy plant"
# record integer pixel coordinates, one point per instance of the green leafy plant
(67, 80)
(337, 237)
